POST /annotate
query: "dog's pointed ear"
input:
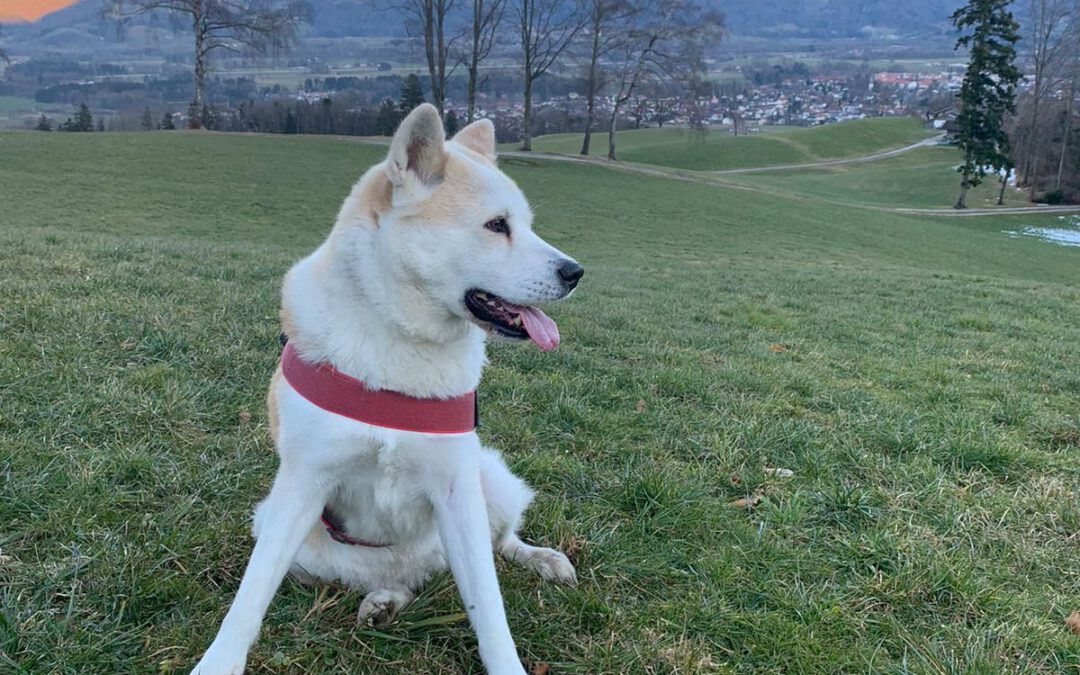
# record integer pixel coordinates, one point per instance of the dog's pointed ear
(418, 150)
(478, 137)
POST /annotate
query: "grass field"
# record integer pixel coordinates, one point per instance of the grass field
(15, 104)
(919, 376)
(922, 178)
(718, 149)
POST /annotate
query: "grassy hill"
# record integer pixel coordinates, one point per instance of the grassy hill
(717, 150)
(922, 178)
(918, 376)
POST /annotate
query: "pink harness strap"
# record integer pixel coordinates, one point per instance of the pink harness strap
(341, 394)
(337, 532)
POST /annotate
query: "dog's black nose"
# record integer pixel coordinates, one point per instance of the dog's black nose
(571, 272)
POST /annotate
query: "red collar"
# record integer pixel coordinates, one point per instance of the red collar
(336, 392)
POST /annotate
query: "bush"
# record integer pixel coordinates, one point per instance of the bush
(1054, 197)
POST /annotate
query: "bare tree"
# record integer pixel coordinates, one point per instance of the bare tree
(639, 111)
(663, 97)
(697, 116)
(664, 43)
(1047, 43)
(224, 25)
(1070, 102)
(486, 17)
(546, 28)
(1072, 76)
(428, 19)
(737, 122)
(606, 21)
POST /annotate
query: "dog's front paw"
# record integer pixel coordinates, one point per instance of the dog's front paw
(213, 663)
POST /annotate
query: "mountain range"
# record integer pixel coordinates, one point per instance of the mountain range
(772, 18)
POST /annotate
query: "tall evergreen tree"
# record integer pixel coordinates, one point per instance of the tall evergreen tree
(43, 124)
(988, 94)
(84, 121)
(412, 95)
(451, 123)
(167, 122)
(388, 118)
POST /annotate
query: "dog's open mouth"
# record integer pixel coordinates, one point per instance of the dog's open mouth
(517, 322)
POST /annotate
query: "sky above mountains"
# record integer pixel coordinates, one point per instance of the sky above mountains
(30, 10)
(771, 18)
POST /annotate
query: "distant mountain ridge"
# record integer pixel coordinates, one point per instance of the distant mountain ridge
(775, 18)
(839, 18)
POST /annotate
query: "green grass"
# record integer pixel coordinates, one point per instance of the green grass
(16, 104)
(919, 376)
(718, 149)
(922, 178)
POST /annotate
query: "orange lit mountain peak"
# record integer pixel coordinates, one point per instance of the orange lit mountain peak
(30, 10)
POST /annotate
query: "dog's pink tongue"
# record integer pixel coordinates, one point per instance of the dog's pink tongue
(541, 329)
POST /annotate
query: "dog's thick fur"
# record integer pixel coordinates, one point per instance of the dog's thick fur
(382, 300)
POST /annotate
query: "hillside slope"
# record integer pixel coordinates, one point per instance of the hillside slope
(718, 149)
(918, 376)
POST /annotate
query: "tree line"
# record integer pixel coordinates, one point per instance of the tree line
(1029, 135)
(621, 45)
(1043, 132)
(83, 121)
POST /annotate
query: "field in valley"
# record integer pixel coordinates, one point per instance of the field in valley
(919, 376)
(718, 150)
(923, 178)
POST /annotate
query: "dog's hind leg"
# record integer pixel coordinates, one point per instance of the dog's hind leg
(381, 607)
(290, 511)
(507, 498)
(550, 564)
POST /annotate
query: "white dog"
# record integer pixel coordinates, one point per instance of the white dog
(432, 250)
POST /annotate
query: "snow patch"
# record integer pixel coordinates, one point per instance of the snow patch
(1069, 235)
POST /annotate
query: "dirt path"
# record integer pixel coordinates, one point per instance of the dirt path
(1003, 211)
(885, 154)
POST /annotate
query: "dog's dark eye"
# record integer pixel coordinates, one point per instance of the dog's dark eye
(498, 226)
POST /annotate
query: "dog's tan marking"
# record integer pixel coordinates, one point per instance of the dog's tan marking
(480, 138)
(288, 324)
(271, 404)
(461, 191)
(372, 198)
(377, 193)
